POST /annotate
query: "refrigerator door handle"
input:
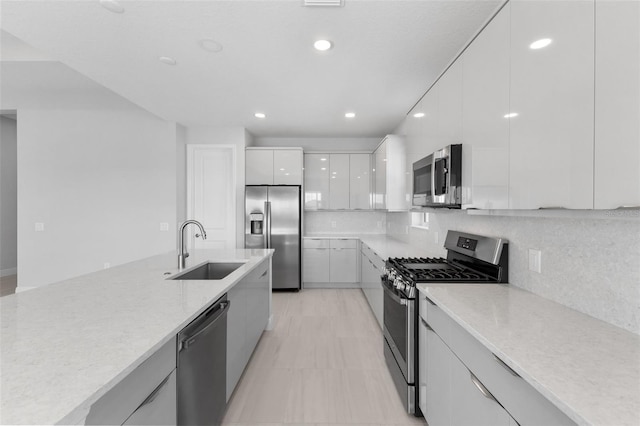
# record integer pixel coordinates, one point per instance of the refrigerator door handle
(267, 215)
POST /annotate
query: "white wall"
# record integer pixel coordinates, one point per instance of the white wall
(239, 137)
(8, 197)
(101, 181)
(322, 144)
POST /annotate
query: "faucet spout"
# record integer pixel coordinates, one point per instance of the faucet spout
(182, 251)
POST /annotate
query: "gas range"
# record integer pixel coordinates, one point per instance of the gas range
(470, 259)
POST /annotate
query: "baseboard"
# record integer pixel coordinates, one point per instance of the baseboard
(8, 271)
(20, 289)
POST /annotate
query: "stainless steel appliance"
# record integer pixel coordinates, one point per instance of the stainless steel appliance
(437, 180)
(470, 259)
(202, 367)
(272, 220)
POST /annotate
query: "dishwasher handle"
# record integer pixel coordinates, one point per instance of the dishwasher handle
(187, 341)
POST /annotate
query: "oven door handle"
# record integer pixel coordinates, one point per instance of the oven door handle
(402, 301)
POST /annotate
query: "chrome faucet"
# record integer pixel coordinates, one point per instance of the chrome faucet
(182, 255)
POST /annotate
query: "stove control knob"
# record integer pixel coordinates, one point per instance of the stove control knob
(399, 284)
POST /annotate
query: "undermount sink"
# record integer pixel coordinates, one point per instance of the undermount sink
(209, 271)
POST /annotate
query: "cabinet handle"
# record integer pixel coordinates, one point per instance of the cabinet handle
(154, 394)
(430, 302)
(264, 273)
(552, 208)
(426, 325)
(628, 208)
(505, 366)
(484, 391)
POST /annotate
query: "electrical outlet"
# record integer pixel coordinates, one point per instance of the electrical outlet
(39, 227)
(107, 265)
(535, 260)
(333, 223)
(164, 226)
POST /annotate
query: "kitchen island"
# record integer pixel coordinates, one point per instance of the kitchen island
(64, 346)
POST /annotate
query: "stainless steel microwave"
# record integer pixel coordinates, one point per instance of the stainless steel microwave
(437, 180)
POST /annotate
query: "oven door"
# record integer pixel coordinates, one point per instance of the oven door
(399, 326)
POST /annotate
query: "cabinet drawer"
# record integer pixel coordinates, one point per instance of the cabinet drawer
(372, 256)
(122, 400)
(436, 318)
(524, 403)
(316, 243)
(343, 243)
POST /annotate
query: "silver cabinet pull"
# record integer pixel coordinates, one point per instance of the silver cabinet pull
(629, 207)
(430, 302)
(155, 393)
(553, 208)
(484, 391)
(425, 324)
(264, 273)
(505, 366)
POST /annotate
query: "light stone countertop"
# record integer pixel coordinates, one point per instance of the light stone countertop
(588, 368)
(383, 245)
(64, 345)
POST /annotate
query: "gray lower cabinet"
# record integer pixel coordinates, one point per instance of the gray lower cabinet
(371, 270)
(246, 320)
(147, 396)
(461, 382)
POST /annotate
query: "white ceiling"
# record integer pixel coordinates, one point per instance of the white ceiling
(386, 54)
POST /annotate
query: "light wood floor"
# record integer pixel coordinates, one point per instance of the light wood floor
(322, 364)
(8, 284)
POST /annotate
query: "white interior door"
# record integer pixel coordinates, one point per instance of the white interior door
(211, 194)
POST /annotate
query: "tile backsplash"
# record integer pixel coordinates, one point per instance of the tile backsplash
(344, 222)
(590, 263)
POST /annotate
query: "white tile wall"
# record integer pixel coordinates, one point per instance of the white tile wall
(345, 222)
(590, 260)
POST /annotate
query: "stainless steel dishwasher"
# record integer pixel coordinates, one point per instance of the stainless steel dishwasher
(202, 367)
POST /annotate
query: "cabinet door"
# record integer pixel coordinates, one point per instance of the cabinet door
(551, 139)
(473, 403)
(339, 181)
(396, 198)
(259, 166)
(450, 105)
(258, 295)
(359, 181)
(287, 167)
(343, 264)
(439, 396)
(617, 151)
(422, 365)
(236, 336)
(485, 150)
(316, 265)
(379, 199)
(316, 181)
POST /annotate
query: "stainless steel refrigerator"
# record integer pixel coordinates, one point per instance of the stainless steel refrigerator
(272, 220)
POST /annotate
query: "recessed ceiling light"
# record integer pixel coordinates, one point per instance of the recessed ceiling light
(260, 115)
(539, 44)
(322, 45)
(112, 6)
(210, 45)
(511, 115)
(418, 114)
(323, 168)
(282, 169)
(323, 159)
(167, 60)
(350, 115)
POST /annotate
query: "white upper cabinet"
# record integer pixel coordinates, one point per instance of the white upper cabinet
(617, 103)
(485, 130)
(551, 138)
(316, 181)
(450, 106)
(360, 181)
(390, 175)
(380, 174)
(273, 166)
(287, 167)
(259, 166)
(339, 181)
